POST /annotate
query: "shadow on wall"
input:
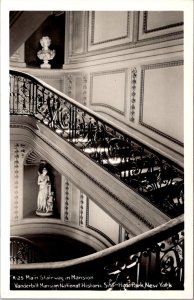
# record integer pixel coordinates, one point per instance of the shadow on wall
(60, 248)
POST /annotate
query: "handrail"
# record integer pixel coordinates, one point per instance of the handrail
(81, 106)
(150, 174)
(158, 251)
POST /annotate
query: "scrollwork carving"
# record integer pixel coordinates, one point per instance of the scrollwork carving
(84, 87)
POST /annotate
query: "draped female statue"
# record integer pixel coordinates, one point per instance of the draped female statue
(45, 195)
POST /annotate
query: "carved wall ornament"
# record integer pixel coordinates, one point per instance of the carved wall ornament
(19, 154)
(66, 211)
(69, 85)
(81, 209)
(133, 94)
(84, 88)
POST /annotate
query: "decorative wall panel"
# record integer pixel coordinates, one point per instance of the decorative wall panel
(55, 81)
(78, 22)
(95, 35)
(108, 28)
(109, 89)
(103, 223)
(156, 23)
(161, 104)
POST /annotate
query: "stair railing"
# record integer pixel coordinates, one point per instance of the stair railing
(152, 260)
(23, 251)
(152, 175)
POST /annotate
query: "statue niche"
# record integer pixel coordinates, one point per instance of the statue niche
(45, 200)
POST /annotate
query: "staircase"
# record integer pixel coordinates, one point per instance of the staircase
(154, 177)
(151, 260)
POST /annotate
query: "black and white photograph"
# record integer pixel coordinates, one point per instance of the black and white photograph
(99, 150)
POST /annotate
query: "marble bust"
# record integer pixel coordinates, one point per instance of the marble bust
(45, 54)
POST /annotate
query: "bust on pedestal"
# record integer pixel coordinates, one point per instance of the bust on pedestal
(45, 54)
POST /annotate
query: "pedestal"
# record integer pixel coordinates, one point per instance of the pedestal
(45, 66)
(44, 214)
